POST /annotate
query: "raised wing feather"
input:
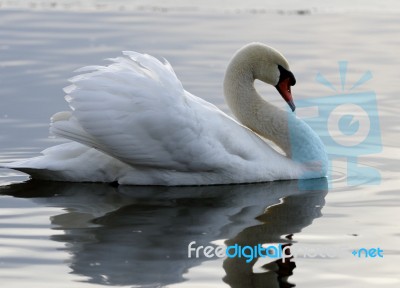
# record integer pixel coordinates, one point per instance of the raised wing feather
(137, 111)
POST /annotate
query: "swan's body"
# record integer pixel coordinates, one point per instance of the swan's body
(133, 122)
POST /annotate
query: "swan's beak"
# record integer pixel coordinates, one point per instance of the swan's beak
(291, 105)
(283, 88)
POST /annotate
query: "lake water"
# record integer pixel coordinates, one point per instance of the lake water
(94, 235)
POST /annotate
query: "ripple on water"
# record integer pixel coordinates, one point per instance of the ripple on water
(344, 174)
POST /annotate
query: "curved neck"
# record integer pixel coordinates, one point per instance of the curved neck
(300, 143)
(251, 110)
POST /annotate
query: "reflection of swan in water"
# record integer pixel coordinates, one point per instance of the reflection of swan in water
(139, 235)
(291, 216)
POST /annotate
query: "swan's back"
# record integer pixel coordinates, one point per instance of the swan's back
(122, 105)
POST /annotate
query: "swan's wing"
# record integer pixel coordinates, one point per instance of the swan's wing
(137, 111)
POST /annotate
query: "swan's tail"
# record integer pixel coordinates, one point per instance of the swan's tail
(37, 173)
(70, 161)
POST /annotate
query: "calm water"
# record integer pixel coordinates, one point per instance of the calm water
(92, 235)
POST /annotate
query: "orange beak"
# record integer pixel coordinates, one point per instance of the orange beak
(283, 88)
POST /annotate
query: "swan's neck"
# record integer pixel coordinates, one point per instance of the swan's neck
(254, 112)
(292, 135)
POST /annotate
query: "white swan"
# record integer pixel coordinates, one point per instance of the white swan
(132, 122)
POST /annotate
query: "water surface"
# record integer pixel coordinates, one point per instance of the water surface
(91, 235)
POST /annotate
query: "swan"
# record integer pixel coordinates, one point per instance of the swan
(132, 122)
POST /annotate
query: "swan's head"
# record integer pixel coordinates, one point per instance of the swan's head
(268, 65)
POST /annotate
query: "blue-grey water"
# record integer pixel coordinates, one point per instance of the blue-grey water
(95, 235)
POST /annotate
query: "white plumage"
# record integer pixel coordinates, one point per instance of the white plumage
(133, 122)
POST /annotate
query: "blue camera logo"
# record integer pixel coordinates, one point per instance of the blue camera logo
(348, 124)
